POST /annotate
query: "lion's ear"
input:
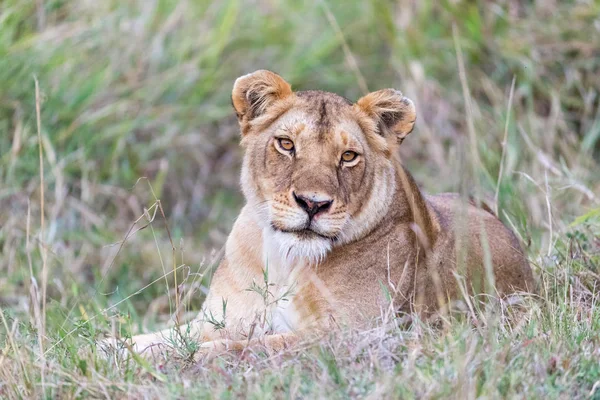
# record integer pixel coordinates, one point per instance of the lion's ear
(254, 93)
(392, 112)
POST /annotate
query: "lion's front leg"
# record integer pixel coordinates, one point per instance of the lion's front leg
(270, 343)
(179, 339)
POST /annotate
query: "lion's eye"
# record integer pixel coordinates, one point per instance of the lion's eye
(349, 156)
(286, 144)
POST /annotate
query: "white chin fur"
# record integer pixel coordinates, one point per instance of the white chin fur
(291, 249)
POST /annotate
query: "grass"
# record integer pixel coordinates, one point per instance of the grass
(132, 89)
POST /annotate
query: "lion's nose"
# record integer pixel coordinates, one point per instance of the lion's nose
(312, 206)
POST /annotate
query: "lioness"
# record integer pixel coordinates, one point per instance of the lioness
(334, 225)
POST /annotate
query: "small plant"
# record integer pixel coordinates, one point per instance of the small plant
(270, 299)
(218, 324)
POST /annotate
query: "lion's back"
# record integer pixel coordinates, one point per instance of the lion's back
(461, 223)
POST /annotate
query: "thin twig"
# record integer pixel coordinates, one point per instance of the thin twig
(177, 306)
(173, 254)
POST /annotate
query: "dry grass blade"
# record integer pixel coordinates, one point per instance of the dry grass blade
(42, 244)
(16, 350)
(504, 143)
(362, 83)
(475, 158)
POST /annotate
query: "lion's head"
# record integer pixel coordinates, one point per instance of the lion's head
(318, 170)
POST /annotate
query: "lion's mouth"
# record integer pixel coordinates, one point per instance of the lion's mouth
(305, 233)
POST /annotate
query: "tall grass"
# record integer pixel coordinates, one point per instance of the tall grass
(132, 89)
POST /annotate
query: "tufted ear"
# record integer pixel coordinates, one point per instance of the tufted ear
(254, 93)
(393, 113)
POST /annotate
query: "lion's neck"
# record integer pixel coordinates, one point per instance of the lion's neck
(411, 206)
(407, 206)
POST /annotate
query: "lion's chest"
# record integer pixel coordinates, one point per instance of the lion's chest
(282, 278)
(282, 303)
(285, 317)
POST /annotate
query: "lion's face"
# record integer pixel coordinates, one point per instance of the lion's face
(318, 170)
(310, 173)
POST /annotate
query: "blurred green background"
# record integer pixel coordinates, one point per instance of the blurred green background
(134, 89)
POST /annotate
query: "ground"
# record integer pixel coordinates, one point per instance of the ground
(141, 160)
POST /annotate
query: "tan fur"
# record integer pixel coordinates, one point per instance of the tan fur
(379, 231)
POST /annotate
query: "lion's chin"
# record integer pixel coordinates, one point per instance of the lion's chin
(301, 246)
